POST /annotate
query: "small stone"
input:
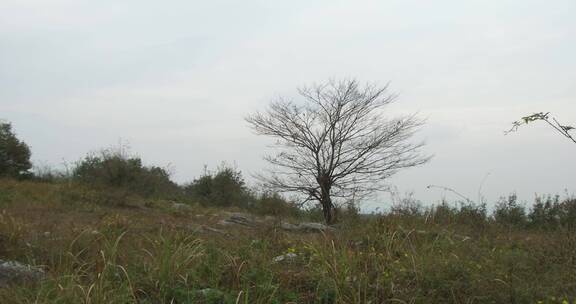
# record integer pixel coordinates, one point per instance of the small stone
(288, 226)
(211, 293)
(288, 257)
(180, 206)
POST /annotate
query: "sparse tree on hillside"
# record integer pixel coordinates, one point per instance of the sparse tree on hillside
(562, 129)
(14, 154)
(336, 143)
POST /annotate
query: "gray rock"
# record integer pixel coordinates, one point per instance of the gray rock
(306, 227)
(238, 219)
(181, 207)
(462, 238)
(288, 226)
(210, 229)
(211, 294)
(242, 220)
(225, 223)
(285, 257)
(12, 272)
(315, 227)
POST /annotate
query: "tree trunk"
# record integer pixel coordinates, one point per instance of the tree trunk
(325, 199)
(328, 210)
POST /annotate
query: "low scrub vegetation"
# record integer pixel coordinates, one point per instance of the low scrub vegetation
(116, 169)
(95, 252)
(14, 154)
(118, 177)
(223, 188)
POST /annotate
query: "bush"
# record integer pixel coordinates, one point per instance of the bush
(406, 205)
(568, 213)
(509, 213)
(224, 188)
(465, 213)
(14, 154)
(551, 213)
(545, 212)
(114, 168)
(271, 203)
(47, 174)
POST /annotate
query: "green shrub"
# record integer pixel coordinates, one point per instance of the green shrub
(114, 168)
(48, 174)
(442, 213)
(270, 203)
(14, 154)
(406, 205)
(551, 213)
(472, 213)
(465, 213)
(509, 213)
(224, 188)
(568, 213)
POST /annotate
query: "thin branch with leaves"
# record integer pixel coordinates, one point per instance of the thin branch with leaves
(562, 129)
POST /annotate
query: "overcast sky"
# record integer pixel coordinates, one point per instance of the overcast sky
(176, 78)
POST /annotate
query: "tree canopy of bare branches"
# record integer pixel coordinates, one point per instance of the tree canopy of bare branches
(336, 143)
(562, 129)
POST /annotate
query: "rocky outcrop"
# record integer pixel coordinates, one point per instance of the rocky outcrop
(13, 273)
(306, 227)
(239, 219)
(249, 221)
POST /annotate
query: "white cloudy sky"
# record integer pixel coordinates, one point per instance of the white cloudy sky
(176, 78)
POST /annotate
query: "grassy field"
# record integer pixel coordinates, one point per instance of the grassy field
(96, 250)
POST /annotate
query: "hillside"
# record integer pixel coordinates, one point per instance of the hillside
(86, 249)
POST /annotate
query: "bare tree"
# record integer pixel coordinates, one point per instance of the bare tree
(336, 143)
(564, 130)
